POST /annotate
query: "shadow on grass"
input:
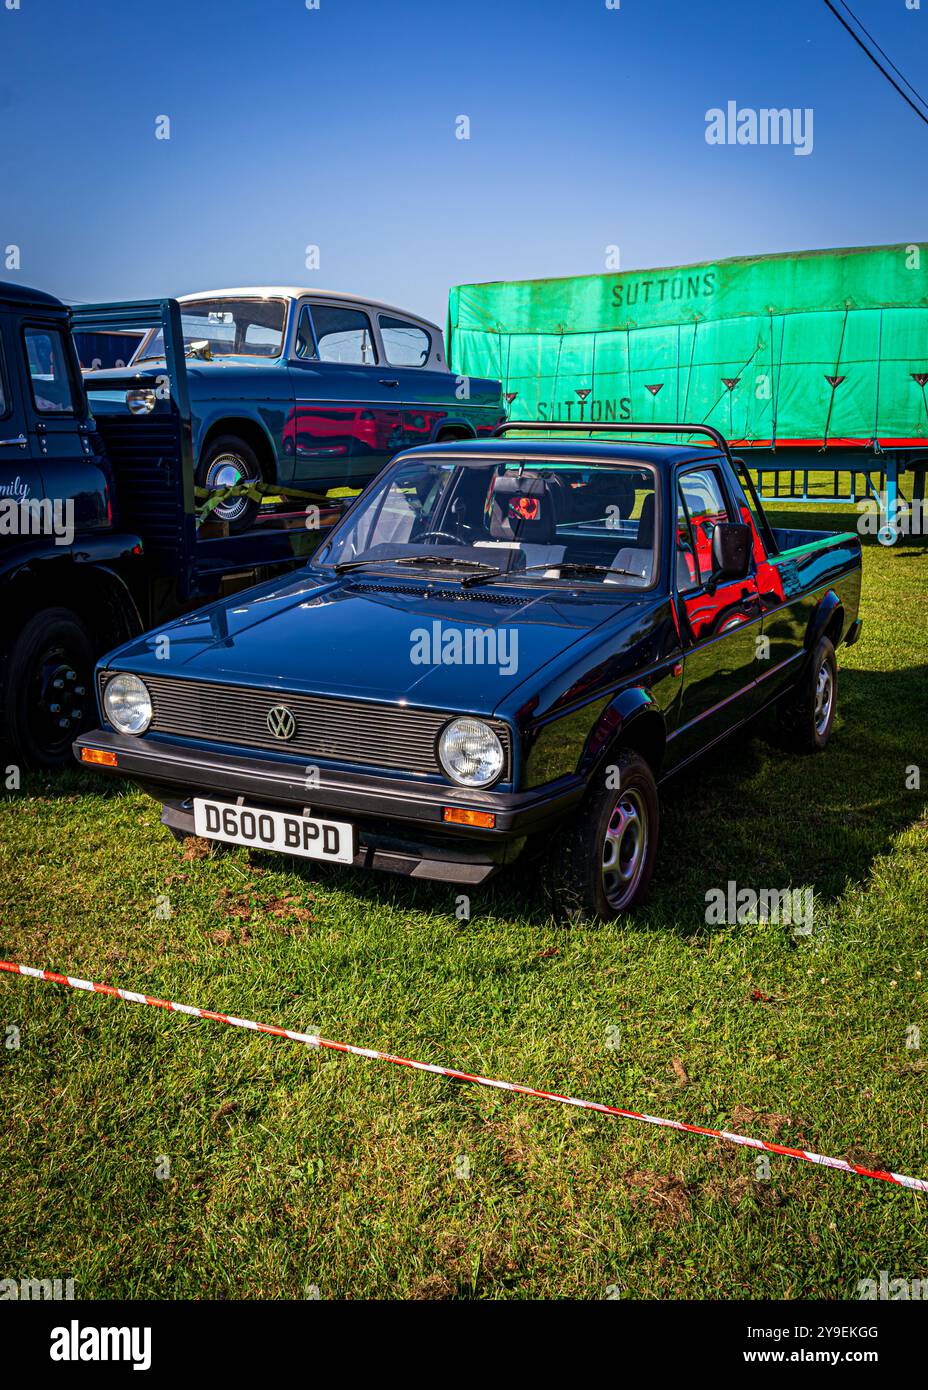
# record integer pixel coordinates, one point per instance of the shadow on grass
(765, 818)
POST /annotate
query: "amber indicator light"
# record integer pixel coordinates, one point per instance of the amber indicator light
(99, 756)
(485, 819)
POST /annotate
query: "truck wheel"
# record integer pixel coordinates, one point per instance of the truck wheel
(49, 688)
(807, 716)
(602, 863)
(229, 460)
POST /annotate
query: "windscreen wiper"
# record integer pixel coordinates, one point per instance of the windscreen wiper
(573, 567)
(443, 561)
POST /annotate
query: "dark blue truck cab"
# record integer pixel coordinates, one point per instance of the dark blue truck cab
(502, 643)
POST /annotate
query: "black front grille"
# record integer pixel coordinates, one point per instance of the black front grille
(345, 731)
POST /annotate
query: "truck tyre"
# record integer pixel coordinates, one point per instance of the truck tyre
(807, 715)
(601, 863)
(48, 691)
(227, 461)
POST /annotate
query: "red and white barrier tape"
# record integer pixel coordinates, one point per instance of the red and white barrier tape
(313, 1040)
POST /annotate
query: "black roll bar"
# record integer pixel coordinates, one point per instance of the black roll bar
(624, 427)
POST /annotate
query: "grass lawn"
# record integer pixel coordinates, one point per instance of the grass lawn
(149, 1155)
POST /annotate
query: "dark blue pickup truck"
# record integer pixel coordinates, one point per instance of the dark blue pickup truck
(500, 641)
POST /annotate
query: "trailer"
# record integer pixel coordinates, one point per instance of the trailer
(809, 363)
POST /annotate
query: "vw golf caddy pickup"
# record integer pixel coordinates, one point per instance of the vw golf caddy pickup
(503, 642)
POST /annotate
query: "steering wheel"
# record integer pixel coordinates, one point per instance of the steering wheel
(443, 535)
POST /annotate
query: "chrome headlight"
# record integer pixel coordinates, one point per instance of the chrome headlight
(141, 401)
(470, 753)
(127, 704)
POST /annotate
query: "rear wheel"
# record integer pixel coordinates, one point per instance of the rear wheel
(602, 863)
(808, 715)
(48, 689)
(229, 461)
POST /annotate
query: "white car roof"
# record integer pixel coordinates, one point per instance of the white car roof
(300, 292)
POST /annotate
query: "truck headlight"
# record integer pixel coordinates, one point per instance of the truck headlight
(127, 704)
(470, 753)
(141, 401)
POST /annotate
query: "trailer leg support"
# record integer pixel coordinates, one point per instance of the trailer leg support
(889, 530)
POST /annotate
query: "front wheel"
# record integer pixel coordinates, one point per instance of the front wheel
(602, 863)
(48, 698)
(228, 462)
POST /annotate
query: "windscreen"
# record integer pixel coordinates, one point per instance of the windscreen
(543, 518)
(227, 327)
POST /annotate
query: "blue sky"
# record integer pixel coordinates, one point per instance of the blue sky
(336, 128)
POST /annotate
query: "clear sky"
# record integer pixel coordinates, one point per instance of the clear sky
(336, 127)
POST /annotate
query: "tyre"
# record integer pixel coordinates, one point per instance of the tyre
(228, 461)
(48, 690)
(807, 715)
(601, 863)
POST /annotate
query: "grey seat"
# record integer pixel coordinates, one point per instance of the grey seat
(639, 562)
(638, 558)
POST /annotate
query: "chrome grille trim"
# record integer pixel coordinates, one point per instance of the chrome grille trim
(347, 731)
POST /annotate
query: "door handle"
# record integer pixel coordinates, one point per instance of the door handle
(22, 441)
(389, 381)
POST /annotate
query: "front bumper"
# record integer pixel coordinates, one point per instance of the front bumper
(400, 823)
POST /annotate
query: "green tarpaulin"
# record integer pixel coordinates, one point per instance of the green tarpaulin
(822, 346)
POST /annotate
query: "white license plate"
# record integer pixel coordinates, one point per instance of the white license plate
(275, 830)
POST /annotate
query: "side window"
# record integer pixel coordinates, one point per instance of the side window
(686, 551)
(46, 355)
(752, 514)
(404, 344)
(703, 504)
(343, 335)
(305, 345)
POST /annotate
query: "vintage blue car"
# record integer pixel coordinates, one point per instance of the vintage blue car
(500, 641)
(306, 389)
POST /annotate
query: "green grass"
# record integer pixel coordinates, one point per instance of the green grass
(292, 1169)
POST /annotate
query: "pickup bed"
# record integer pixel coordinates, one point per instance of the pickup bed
(502, 643)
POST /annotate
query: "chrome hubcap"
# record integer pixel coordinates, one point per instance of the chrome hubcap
(624, 849)
(824, 696)
(225, 471)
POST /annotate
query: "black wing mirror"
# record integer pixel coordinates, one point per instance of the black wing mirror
(731, 551)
